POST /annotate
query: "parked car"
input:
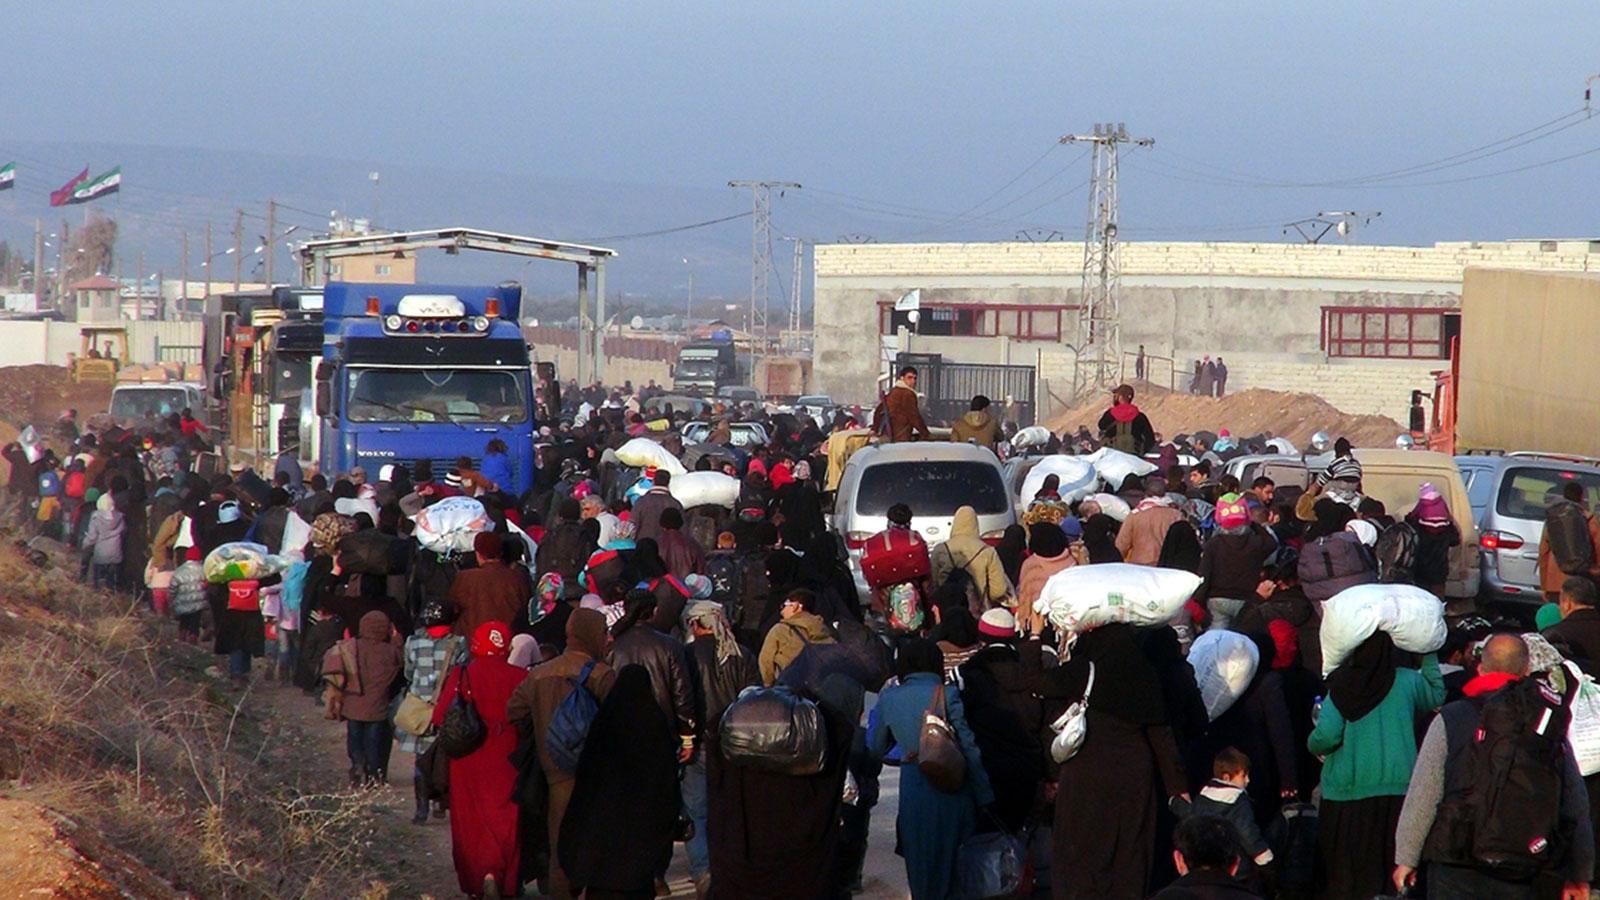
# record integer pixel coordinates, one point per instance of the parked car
(814, 404)
(934, 479)
(693, 406)
(1478, 472)
(1391, 477)
(744, 434)
(1519, 488)
(736, 394)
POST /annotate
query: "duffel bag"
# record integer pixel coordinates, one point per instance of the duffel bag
(894, 556)
(369, 552)
(775, 730)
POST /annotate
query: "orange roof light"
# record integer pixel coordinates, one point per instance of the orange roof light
(491, 308)
(372, 306)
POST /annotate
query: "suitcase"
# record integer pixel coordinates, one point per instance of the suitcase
(894, 556)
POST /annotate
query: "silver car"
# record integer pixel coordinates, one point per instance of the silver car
(1516, 493)
(934, 479)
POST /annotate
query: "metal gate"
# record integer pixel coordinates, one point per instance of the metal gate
(184, 353)
(948, 388)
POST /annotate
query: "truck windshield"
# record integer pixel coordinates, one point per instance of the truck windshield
(139, 403)
(437, 395)
(698, 368)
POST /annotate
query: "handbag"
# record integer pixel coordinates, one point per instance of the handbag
(939, 757)
(461, 731)
(415, 714)
(1072, 726)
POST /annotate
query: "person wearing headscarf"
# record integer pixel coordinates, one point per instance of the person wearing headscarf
(1366, 733)
(429, 654)
(484, 840)
(364, 671)
(1100, 538)
(1180, 548)
(620, 822)
(720, 668)
(797, 506)
(931, 823)
(1436, 534)
(966, 549)
(524, 651)
(1013, 550)
(957, 637)
(778, 836)
(1259, 725)
(1048, 554)
(1129, 764)
(533, 706)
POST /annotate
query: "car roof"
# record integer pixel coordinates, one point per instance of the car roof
(924, 451)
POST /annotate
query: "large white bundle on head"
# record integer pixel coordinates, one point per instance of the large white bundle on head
(1224, 663)
(647, 454)
(1413, 617)
(1114, 466)
(1083, 598)
(1076, 476)
(450, 525)
(1032, 436)
(705, 489)
(1113, 506)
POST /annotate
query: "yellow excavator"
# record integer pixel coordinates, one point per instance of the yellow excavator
(104, 350)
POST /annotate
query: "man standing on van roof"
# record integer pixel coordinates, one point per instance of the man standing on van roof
(900, 407)
(1124, 427)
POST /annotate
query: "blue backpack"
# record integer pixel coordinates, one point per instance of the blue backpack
(569, 727)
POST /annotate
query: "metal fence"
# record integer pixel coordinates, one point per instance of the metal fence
(183, 353)
(1161, 371)
(948, 388)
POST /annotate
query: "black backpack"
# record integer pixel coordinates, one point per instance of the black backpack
(1568, 530)
(1502, 814)
(1396, 551)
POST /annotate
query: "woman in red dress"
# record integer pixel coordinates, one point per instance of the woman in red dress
(483, 815)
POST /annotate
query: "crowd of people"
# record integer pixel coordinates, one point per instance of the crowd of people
(565, 687)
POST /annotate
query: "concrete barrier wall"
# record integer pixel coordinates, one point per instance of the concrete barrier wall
(50, 343)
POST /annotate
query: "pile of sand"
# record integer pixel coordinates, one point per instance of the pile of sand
(36, 395)
(1294, 416)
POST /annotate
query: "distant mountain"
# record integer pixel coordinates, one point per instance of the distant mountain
(167, 190)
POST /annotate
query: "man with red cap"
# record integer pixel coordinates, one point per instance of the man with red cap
(492, 592)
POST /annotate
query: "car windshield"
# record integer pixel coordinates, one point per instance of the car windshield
(144, 402)
(932, 488)
(1525, 493)
(437, 395)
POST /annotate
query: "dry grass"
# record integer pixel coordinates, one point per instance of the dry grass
(125, 734)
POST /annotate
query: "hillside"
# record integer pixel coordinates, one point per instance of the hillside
(1293, 416)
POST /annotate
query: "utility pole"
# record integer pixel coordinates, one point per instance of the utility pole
(38, 263)
(794, 300)
(238, 247)
(183, 292)
(138, 289)
(61, 266)
(207, 264)
(760, 250)
(1099, 316)
(161, 299)
(272, 237)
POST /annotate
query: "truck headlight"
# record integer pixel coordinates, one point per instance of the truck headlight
(480, 324)
(392, 323)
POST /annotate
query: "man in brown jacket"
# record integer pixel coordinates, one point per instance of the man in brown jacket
(977, 425)
(490, 593)
(1141, 536)
(900, 405)
(533, 704)
(1551, 577)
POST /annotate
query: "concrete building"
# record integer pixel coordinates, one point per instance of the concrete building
(1360, 326)
(94, 300)
(381, 268)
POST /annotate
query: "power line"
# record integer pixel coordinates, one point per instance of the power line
(612, 238)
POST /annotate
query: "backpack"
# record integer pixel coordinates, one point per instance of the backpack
(750, 603)
(903, 608)
(894, 556)
(1396, 552)
(1568, 529)
(1122, 438)
(1502, 813)
(76, 484)
(1334, 562)
(1293, 838)
(569, 727)
(49, 483)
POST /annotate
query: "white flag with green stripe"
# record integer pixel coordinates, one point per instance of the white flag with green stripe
(8, 176)
(107, 183)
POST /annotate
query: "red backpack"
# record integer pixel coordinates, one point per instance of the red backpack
(894, 556)
(76, 484)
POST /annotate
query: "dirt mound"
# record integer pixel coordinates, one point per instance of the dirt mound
(36, 395)
(1294, 416)
(45, 855)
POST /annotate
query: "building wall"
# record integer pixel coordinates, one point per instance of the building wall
(380, 268)
(1258, 305)
(50, 343)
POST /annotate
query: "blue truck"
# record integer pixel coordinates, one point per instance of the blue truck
(413, 372)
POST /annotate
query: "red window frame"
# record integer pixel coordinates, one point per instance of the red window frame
(1383, 332)
(986, 319)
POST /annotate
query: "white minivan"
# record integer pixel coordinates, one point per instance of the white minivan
(934, 479)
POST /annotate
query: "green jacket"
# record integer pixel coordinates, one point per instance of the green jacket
(1373, 756)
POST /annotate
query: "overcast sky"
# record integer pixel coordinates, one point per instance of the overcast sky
(896, 117)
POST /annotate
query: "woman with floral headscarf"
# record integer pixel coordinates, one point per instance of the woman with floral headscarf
(483, 813)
